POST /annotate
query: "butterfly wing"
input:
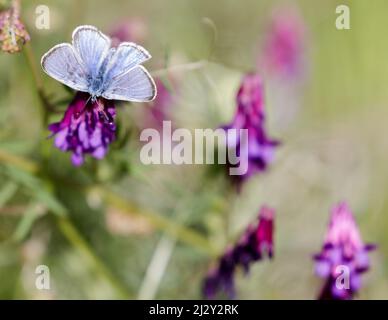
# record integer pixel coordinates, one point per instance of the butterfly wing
(126, 56)
(134, 85)
(92, 47)
(63, 64)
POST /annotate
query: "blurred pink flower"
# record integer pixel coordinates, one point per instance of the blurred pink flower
(284, 44)
(283, 61)
(343, 247)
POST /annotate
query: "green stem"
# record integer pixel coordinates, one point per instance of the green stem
(31, 62)
(22, 163)
(162, 255)
(171, 228)
(156, 268)
(32, 65)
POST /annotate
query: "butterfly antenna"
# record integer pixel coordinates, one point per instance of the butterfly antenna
(87, 101)
(83, 108)
(85, 104)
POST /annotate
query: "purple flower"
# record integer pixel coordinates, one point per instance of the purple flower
(13, 34)
(86, 128)
(343, 250)
(255, 243)
(250, 116)
(250, 98)
(282, 54)
(221, 278)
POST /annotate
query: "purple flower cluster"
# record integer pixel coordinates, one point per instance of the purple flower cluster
(250, 116)
(86, 128)
(255, 243)
(343, 250)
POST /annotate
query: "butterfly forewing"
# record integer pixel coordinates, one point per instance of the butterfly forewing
(63, 64)
(92, 46)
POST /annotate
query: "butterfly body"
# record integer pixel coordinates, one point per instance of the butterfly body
(90, 65)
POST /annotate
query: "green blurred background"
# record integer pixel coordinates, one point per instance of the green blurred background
(118, 229)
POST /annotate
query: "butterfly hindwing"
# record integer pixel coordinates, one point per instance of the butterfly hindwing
(135, 85)
(126, 56)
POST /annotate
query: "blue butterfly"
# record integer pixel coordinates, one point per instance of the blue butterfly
(90, 65)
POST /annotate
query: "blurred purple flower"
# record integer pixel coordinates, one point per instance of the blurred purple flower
(13, 34)
(283, 49)
(221, 278)
(86, 128)
(343, 247)
(255, 243)
(284, 64)
(133, 29)
(159, 106)
(250, 116)
(250, 98)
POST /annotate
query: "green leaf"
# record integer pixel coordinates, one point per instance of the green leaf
(38, 189)
(33, 212)
(7, 192)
